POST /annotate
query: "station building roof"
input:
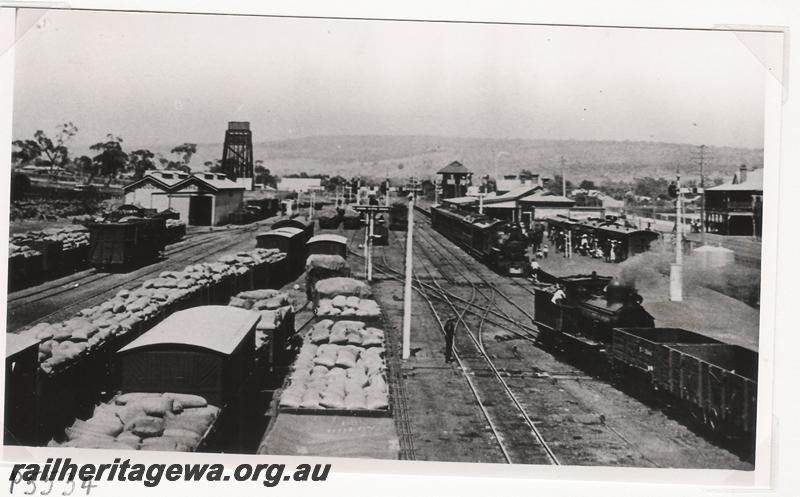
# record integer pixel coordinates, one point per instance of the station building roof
(753, 182)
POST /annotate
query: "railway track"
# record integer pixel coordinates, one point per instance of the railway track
(41, 308)
(519, 438)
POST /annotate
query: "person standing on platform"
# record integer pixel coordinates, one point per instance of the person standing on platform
(449, 337)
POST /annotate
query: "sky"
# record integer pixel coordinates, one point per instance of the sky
(171, 78)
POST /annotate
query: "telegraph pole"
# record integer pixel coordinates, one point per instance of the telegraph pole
(407, 284)
(563, 178)
(703, 198)
(676, 269)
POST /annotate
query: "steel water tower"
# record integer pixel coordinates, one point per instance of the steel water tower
(237, 153)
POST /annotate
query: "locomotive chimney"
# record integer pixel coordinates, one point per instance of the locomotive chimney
(742, 173)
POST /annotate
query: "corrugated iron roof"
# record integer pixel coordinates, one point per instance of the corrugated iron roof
(219, 328)
(753, 182)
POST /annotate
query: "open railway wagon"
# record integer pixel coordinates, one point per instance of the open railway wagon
(584, 319)
(351, 220)
(131, 241)
(715, 383)
(336, 400)
(487, 239)
(292, 242)
(342, 298)
(398, 217)
(274, 329)
(44, 255)
(329, 219)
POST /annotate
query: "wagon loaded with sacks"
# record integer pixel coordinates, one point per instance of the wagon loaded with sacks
(323, 266)
(183, 380)
(345, 298)
(75, 356)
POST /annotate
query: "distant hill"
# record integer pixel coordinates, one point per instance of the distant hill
(422, 156)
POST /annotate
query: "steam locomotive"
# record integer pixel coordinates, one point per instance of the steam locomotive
(579, 312)
(492, 241)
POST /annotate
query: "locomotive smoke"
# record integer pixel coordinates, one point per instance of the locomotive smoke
(646, 273)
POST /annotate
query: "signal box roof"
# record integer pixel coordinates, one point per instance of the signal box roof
(454, 167)
(218, 328)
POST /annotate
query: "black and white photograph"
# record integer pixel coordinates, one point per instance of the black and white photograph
(396, 240)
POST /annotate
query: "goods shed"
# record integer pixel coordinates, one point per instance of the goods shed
(205, 199)
(206, 350)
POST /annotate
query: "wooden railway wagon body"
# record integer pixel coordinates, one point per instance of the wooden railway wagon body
(592, 307)
(629, 241)
(292, 242)
(488, 240)
(351, 220)
(718, 382)
(22, 364)
(329, 219)
(327, 244)
(207, 351)
(128, 242)
(398, 217)
(305, 225)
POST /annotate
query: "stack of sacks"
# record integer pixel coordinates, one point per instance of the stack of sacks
(172, 223)
(60, 344)
(274, 306)
(340, 366)
(70, 237)
(144, 421)
(324, 266)
(332, 287)
(15, 250)
(348, 306)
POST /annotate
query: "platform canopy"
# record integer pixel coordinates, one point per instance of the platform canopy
(219, 328)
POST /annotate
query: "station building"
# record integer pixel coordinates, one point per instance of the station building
(521, 205)
(735, 208)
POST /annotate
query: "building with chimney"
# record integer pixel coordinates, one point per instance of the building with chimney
(735, 208)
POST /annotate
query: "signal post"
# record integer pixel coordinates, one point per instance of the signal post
(371, 211)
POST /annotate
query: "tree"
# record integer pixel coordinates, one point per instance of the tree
(185, 152)
(587, 185)
(555, 186)
(142, 161)
(85, 166)
(216, 167)
(526, 174)
(43, 150)
(111, 159)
